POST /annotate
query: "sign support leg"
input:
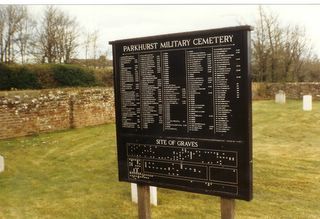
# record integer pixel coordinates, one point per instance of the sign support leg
(144, 209)
(227, 208)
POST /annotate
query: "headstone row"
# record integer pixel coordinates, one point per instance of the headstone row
(280, 98)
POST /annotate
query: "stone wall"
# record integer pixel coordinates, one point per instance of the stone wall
(292, 90)
(31, 112)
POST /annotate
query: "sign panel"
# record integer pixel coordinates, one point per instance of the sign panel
(183, 111)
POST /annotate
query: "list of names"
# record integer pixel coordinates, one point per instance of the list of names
(186, 90)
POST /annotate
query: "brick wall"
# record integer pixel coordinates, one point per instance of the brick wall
(35, 111)
(292, 90)
(31, 112)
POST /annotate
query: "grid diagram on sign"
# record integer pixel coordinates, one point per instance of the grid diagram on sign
(210, 167)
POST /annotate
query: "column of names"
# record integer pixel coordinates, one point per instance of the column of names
(221, 71)
(151, 90)
(130, 101)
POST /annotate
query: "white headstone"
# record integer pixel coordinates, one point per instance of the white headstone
(280, 97)
(134, 193)
(153, 194)
(1, 164)
(307, 102)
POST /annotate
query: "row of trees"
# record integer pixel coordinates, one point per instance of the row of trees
(12, 21)
(55, 38)
(281, 53)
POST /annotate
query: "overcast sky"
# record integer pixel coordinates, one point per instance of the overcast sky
(126, 21)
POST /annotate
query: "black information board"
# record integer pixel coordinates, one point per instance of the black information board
(183, 111)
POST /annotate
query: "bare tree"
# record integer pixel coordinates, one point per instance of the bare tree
(25, 35)
(311, 70)
(278, 52)
(95, 35)
(2, 28)
(260, 50)
(91, 48)
(12, 17)
(57, 36)
(46, 36)
(70, 39)
(87, 44)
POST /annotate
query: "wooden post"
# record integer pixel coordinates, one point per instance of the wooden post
(144, 202)
(227, 208)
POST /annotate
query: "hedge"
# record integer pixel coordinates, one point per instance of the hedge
(73, 76)
(39, 76)
(20, 78)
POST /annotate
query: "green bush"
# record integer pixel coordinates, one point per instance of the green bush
(19, 78)
(104, 76)
(4, 77)
(36, 76)
(70, 75)
(44, 73)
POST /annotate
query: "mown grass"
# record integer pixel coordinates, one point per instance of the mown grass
(73, 174)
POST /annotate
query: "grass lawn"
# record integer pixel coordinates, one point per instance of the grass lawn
(73, 174)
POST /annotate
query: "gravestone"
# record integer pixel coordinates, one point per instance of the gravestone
(134, 193)
(153, 194)
(280, 97)
(307, 102)
(1, 164)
